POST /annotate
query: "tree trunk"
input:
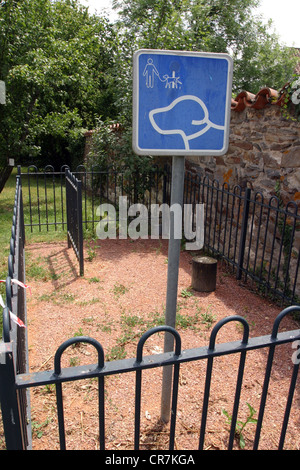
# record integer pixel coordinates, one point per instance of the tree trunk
(204, 274)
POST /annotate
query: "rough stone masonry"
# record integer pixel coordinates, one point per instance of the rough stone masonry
(264, 150)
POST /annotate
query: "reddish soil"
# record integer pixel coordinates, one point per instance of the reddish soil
(121, 295)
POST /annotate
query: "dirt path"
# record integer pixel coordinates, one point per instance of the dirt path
(121, 295)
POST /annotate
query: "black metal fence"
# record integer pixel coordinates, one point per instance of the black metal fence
(74, 217)
(15, 381)
(258, 237)
(140, 363)
(14, 348)
(46, 200)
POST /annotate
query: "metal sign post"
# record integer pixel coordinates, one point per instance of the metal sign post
(172, 282)
(181, 107)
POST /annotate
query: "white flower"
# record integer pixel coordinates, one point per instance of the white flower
(296, 96)
(296, 84)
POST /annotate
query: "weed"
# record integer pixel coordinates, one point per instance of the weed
(94, 300)
(157, 319)
(240, 425)
(185, 293)
(132, 320)
(158, 250)
(74, 361)
(78, 333)
(55, 276)
(88, 320)
(75, 335)
(47, 297)
(38, 428)
(119, 289)
(207, 318)
(48, 389)
(66, 297)
(105, 328)
(116, 352)
(186, 321)
(35, 271)
(91, 251)
(57, 298)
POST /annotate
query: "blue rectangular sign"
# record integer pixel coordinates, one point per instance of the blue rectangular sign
(181, 102)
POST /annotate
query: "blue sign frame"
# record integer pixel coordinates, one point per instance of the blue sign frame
(181, 102)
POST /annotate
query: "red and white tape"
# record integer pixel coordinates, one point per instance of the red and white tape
(14, 317)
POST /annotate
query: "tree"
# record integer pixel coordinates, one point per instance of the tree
(56, 61)
(211, 26)
(196, 25)
(64, 69)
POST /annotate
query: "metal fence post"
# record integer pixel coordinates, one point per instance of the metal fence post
(243, 233)
(9, 400)
(79, 222)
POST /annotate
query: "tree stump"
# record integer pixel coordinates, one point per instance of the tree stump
(204, 273)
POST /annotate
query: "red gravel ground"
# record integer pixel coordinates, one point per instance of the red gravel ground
(121, 295)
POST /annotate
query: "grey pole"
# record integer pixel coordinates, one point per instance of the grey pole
(172, 282)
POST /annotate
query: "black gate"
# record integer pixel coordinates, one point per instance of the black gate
(74, 217)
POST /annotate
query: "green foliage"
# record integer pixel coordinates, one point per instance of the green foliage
(214, 26)
(55, 60)
(119, 289)
(185, 293)
(291, 107)
(229, 26)
(111, 146)
(63, 68)
(240, 425)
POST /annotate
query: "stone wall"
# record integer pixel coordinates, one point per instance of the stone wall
(264, 148)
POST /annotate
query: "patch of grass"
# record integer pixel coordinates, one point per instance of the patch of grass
(119, 289)
(94, 280)
(91, 251)
(37, 428)
(116, 352)
(186, 293)
(156, 319)
(67, 297)
(133, 326)
(57, 298)
(37, 272)
(132, 320)
(105, 328)
(47, 297)
(88, 320)
(94, 300)
(208, 318)
(186, 321)
(240, 425)
(74, 361)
